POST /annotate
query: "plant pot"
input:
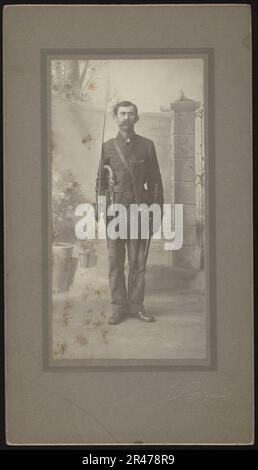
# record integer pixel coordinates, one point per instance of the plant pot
(88, 258)
(63, 267)
(64, 250)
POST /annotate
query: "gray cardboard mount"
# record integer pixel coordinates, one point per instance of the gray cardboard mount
(125, 406)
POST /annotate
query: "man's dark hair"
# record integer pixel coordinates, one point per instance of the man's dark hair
(125, 104)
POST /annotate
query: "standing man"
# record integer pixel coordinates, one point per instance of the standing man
(132, 161)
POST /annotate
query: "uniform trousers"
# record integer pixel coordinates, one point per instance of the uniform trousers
(126, 297)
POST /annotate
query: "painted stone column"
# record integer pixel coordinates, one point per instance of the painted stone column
(184, 181)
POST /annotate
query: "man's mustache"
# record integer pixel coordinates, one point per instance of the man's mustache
(125, 123)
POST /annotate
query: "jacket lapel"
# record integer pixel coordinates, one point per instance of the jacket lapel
(126, 148)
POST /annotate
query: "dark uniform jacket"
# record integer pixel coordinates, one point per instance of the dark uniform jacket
(138, 179)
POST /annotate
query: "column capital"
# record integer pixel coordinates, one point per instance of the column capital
(183, 103)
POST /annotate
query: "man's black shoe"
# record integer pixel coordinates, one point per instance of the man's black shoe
(144, 316)
(115, 319)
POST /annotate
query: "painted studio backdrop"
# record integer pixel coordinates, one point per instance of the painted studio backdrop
(169, 94)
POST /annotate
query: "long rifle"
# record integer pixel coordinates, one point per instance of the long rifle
(101, 170)
(101, 167)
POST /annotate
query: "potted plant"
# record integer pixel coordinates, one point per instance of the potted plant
(87, 254)
(66, 195)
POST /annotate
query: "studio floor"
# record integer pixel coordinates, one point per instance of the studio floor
(80, 328)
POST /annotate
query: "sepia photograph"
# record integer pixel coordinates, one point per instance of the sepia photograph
(128, 226)
(127, 162)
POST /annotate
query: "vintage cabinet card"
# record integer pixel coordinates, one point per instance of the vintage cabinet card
(128, 224)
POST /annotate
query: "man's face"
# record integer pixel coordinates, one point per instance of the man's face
(126, 118)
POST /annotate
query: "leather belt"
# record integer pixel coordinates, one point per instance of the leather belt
(118, 190)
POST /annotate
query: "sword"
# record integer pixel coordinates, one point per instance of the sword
(147, 248)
